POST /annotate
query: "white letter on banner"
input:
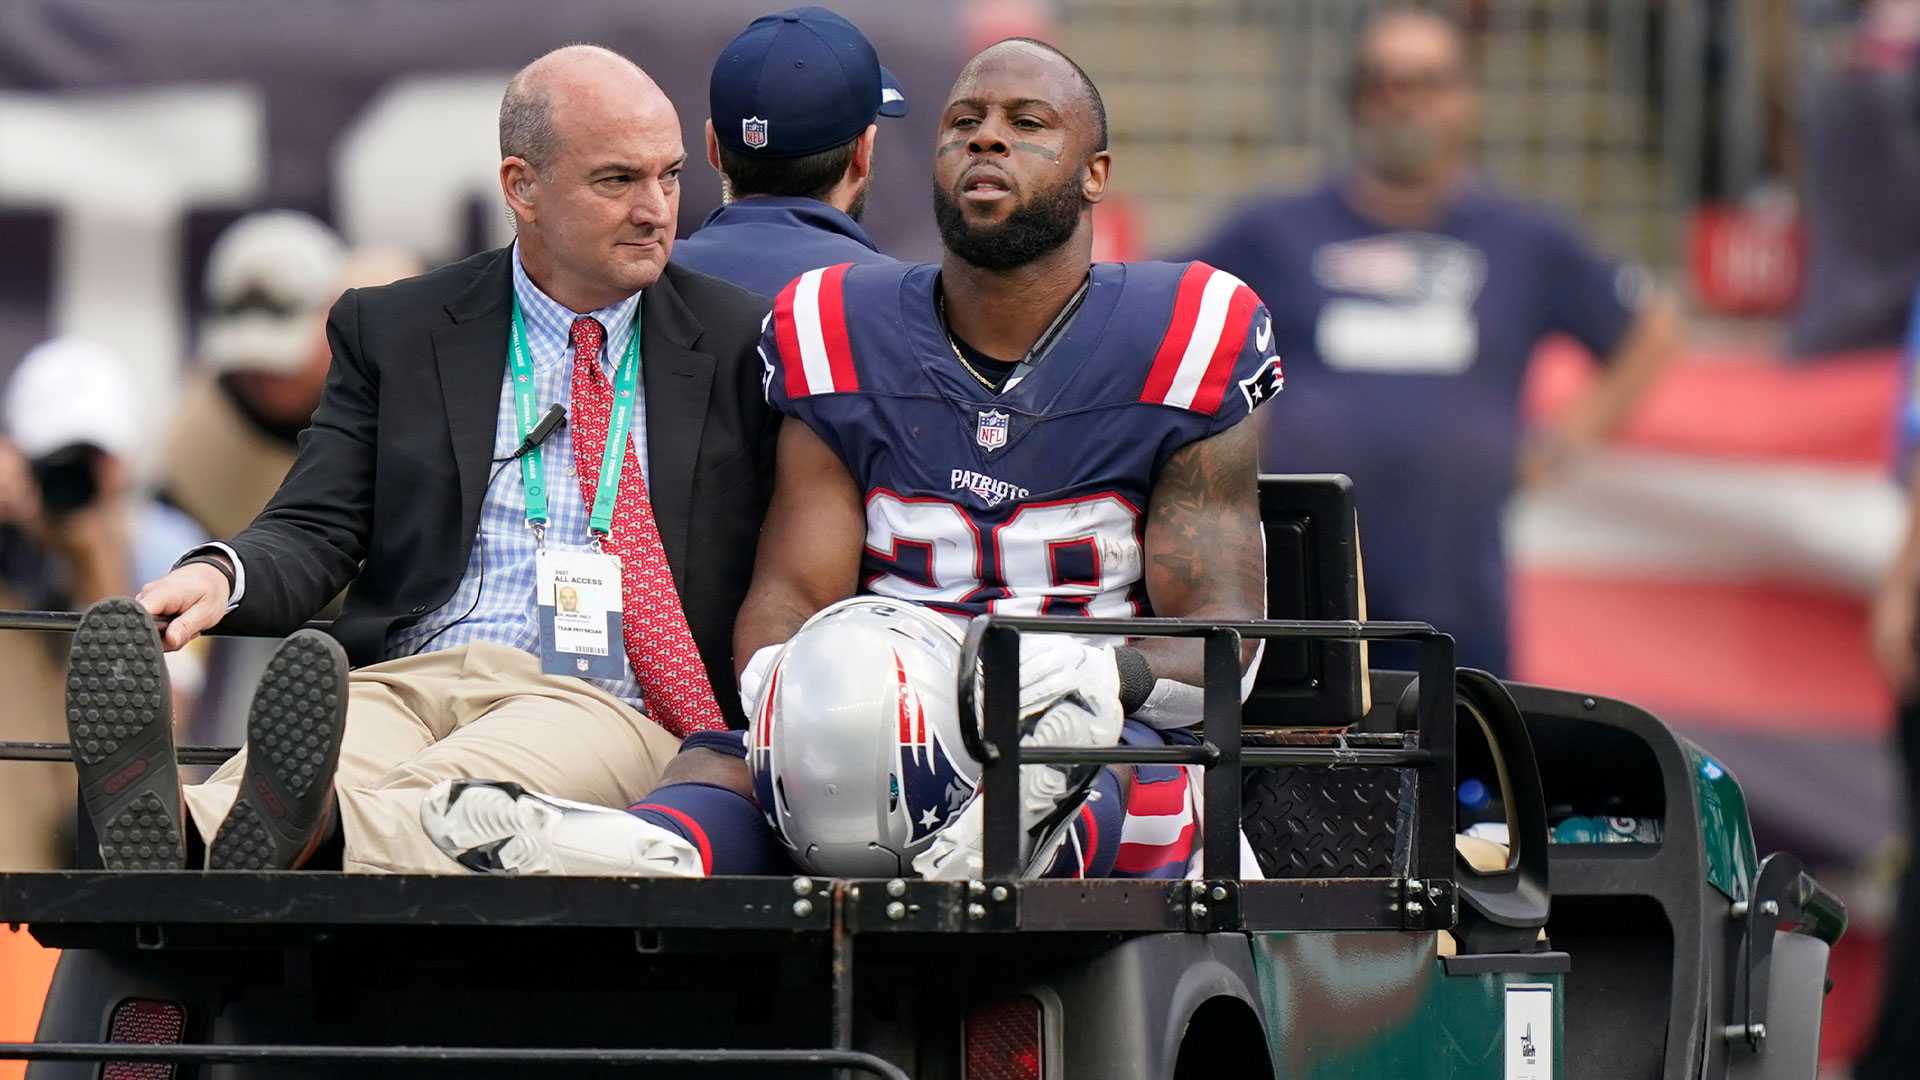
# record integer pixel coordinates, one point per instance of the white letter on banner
(119, 169)
(407, 169)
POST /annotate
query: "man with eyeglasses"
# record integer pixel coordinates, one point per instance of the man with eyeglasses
(1407, 297)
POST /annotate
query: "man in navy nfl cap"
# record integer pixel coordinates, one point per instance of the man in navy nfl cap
(793, 102)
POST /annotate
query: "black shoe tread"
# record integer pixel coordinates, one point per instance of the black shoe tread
(293, 719)
(120, 725)
(243, 842)
(294, 731)
(143, 835)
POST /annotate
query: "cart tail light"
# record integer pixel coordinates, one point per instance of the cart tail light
(1005, 1041)
(154, 1023)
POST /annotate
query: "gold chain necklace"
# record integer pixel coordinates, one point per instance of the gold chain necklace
(955, 346)
(981, 379)
(1039, 348)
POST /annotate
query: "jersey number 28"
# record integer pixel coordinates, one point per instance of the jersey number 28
(1077, 556)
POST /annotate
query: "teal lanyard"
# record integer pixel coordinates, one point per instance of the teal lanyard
(613, 458)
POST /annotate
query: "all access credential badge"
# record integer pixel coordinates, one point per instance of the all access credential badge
(581, 630)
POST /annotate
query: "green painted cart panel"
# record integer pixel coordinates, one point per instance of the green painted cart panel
(1345, 1006)
(1726, 834)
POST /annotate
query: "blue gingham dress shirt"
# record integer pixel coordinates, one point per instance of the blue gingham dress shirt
(504, 552)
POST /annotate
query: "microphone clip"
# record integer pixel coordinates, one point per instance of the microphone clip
(554, 420)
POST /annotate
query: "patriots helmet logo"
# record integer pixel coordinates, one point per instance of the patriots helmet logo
(925, 774)
(753, 132)
(992, 432)
(1260, 387)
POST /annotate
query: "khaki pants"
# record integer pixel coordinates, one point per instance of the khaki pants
(482, 711)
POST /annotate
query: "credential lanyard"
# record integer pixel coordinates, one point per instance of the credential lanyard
(613, 457)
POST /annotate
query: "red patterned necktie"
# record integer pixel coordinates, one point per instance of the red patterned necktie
(666, 663)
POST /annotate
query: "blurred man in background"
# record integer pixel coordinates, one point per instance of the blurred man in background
(262, 366)
(75, 526)
(1896, 644)
(263, 360)
(1862, 138)
(1407, 297)
(262, 363)
(791, 130)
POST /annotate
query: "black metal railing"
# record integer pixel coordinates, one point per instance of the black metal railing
(992, 647)
(66, 622)
(59, 751)
(544, 1057)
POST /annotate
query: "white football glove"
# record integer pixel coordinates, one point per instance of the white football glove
(753, 678)
(1055, 665)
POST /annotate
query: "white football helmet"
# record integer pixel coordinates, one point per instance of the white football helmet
(855, 745)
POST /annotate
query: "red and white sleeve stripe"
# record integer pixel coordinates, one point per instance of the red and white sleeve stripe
(810, 324)
(1157, 833)
(1194, 364)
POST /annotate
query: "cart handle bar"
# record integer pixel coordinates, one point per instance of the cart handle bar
(451, 1055)
(66, 622)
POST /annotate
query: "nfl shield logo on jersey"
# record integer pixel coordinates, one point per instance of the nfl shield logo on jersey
(992, 433)
(753, 132)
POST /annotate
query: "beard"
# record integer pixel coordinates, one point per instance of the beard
(1398, 153)
(859, 204)
(1035, 228)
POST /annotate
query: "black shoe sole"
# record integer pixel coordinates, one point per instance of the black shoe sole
(294, 729)
(120, 725)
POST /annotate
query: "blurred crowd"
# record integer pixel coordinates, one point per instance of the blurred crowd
(87, 511)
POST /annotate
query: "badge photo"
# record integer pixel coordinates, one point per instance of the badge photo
(581, 623)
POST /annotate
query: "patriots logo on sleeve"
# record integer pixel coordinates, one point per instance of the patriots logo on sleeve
(1268, 380)
(1260, 387)
(766, 362)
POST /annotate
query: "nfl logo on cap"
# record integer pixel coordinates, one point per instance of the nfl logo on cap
(992, 432)
(807, 70)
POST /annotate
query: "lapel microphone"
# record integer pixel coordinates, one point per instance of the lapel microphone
(550, 423)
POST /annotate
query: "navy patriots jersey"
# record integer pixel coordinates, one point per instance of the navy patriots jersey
(1032, 500)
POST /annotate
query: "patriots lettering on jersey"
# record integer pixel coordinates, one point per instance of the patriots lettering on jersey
(1212, 311)
(986, 488)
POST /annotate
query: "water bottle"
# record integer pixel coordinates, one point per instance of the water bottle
(1478, 806)
(1607, 830)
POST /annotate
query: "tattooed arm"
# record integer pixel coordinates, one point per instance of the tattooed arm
(1205, 558)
